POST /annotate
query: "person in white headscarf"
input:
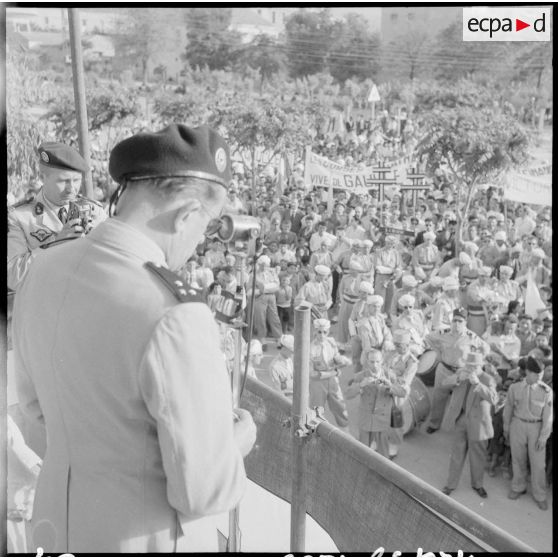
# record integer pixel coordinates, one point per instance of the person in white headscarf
(442, 312)
(413, 321)
(281, 367)
(426, 256)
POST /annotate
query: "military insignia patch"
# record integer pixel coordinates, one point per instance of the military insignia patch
(44, 156)
(39, 208)
(41, 234)
(221, 159)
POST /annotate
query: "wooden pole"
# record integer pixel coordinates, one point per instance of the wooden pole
(79, 96)
(301, 398)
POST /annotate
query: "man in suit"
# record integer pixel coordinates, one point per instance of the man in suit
(469, 416)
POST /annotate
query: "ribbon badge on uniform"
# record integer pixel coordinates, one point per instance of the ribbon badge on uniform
(39, 208)
(41, 234)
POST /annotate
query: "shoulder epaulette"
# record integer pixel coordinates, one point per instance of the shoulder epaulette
(58, 241)
(175, 284)
(24, 201)
(545, 387)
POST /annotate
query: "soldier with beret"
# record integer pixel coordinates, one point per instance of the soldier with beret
(130, 380)
(527, 427)
(54, 213)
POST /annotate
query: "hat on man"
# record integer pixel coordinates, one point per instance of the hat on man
(436, 282)
(451, 283)
(465, 259)
(376, 299)
(429, 235)
(471, 247)
(532, 365)
(255, 348)
(409, 281)
(406, 300)
(366, 287)
(175, 151)
(401, 336)
(322, 270)
(538, 253)
(500, 235)
(485, 271)
(474, 359)
(460, 313)
(264, 260)
(58, 155)
(321, 323)
(287, 341)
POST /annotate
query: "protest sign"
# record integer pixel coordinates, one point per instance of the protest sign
(533, 186)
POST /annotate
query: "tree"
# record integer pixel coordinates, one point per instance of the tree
(210, 42)
(354, 50)
(308, 37)
(144, 33)
(408, 56)
(263, 54)
(474, 145)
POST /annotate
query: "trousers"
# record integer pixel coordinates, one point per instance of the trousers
(265, 313)
(440, 396)
(523, 436)
(322, 391)
(461, 447)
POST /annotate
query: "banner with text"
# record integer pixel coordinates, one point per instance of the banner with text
(529, 187)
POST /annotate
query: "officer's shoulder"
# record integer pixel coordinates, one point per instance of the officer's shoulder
(546, 388)
(175, 284)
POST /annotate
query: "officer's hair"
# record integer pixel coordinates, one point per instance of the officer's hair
(189, 187)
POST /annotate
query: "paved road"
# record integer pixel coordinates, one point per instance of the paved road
(427, 456)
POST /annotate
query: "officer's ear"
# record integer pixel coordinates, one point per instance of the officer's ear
(187, 208)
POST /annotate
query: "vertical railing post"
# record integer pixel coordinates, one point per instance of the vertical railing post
(301, 369)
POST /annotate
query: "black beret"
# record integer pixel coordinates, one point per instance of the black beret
(176, 151)
(460, 313)
(61, 156)
(532, 365)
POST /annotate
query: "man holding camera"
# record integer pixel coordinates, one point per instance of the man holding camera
(57, 212)
(144, 449)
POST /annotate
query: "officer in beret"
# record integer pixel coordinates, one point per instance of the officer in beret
(54, 214)
(527, 427)
(130, 379)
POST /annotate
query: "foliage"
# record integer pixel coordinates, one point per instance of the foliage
(354, 50)
(476, 145)
(308, 39)
(408, 57)
(262, 54)
(143, 34)
(210, 42)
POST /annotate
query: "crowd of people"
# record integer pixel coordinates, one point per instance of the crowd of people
(386, 303)
(398, 299)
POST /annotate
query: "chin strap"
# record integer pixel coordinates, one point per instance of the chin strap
(115, 198)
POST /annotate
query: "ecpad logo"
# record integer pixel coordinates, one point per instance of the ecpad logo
(484, 23)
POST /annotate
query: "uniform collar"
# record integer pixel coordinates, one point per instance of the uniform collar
(128, 239)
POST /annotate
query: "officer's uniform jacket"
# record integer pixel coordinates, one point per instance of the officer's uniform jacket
(532, 404)
(281, 371)
(478, 407)
(135, 396)
(318, 293)
(31, 226)
(453, 348)
(426, 257)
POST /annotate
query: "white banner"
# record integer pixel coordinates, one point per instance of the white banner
(523, 188)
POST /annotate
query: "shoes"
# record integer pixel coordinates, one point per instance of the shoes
(513, 495)
(431, 430)
(447, 491)
(542, 504)
(481, 492)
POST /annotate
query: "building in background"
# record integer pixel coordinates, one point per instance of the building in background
(402, 20)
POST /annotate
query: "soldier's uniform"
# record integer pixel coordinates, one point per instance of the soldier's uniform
(452, 349)
(387, 265)
(265, 304)
(35, 223)
(318, 293)
(442, 313)
(349, 291)
(426, 257)
(528, 419)
(326, 361)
